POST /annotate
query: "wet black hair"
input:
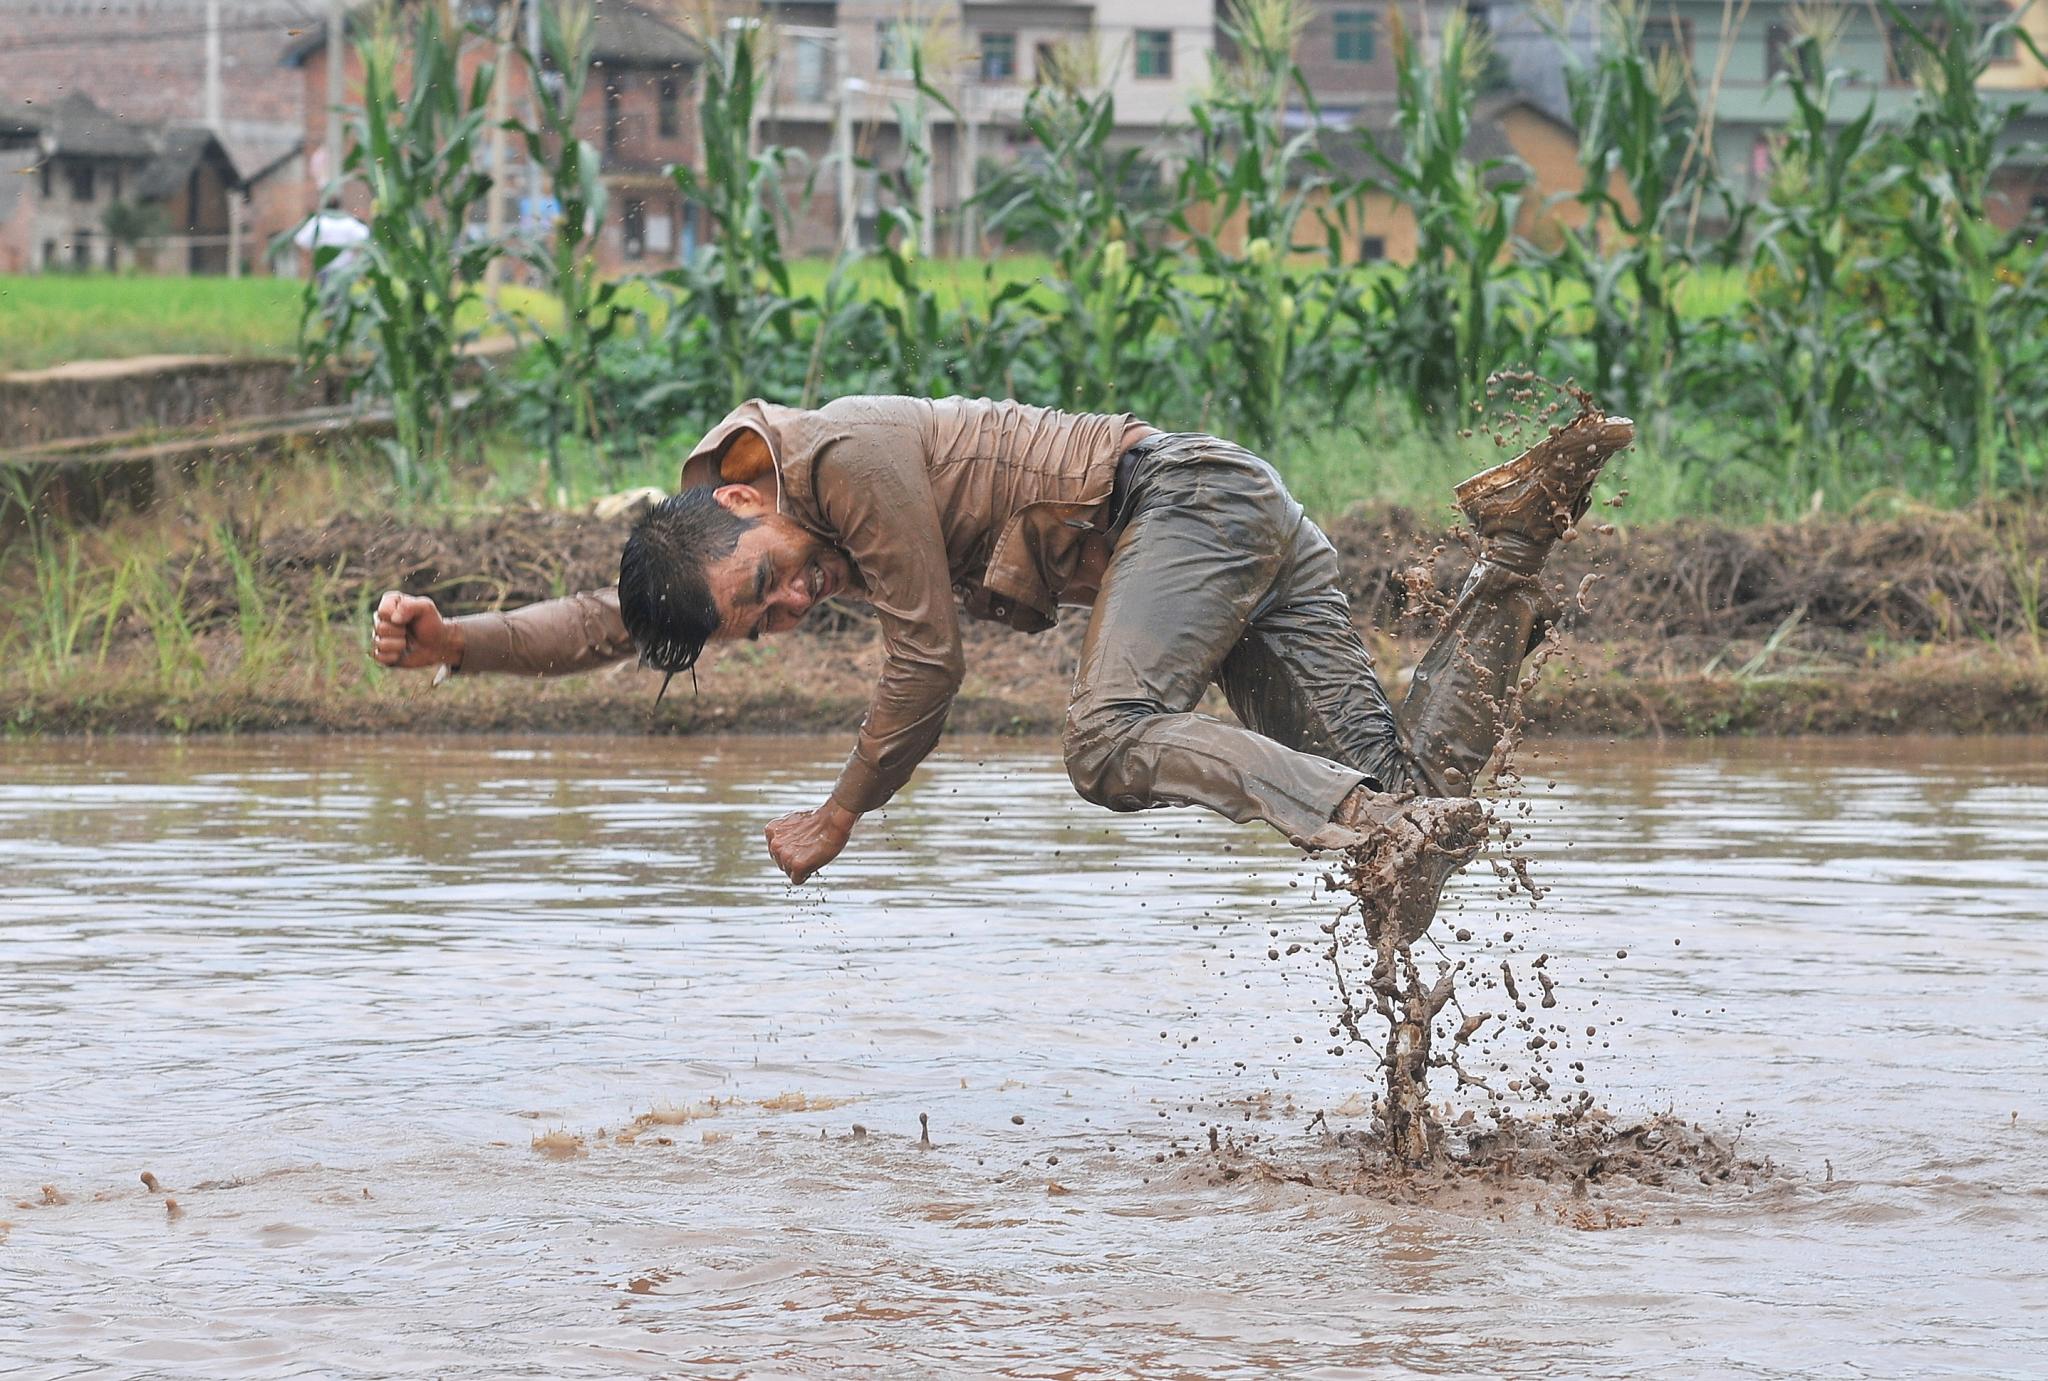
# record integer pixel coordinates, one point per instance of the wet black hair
(664, 595)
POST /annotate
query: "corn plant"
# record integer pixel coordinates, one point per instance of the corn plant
(415, 148)
(1631, 257)
(1462, 310)
(1257, 317)
(1112, 284)
(733, 304)
(562, 375)
(1816, 239)
(1951, 151)
(914, 330)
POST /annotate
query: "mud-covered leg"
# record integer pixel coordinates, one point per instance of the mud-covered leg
(1301, 676)
(1454, 711)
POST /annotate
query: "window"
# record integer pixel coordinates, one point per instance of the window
(1674, 36)
(1782, 48)
(895, 41)
(44, 170)
(1357, 35)
(81, 181)
(998, 57)
(810, 61)
(668, 109)
(633, 225)
(1155, 52)
(1902, 53)
(611, 119)
(1372, 249)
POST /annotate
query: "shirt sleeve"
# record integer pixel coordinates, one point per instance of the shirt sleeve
(553, 638)
(873, 488)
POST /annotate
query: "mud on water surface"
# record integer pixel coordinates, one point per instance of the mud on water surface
(520, 1048)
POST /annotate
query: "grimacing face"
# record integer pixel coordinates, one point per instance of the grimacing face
(777, 574)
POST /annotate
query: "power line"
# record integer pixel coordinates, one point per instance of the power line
(101, 39)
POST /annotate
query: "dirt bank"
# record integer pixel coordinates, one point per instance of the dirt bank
(1923, 623)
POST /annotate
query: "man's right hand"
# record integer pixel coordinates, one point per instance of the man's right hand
(409, 631)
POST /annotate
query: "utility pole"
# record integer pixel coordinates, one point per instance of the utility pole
(213, 65)
(842, 141)
(965, 160)
(494, 203)
(337, 37)
(927, 192)
(533, 101)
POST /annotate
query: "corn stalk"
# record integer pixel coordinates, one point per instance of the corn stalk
(394, 321)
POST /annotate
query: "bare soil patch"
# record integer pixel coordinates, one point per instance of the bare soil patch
(1923, 623)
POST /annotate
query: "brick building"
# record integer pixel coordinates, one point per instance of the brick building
(80, 168)
(147, 62)
(639, 111)
(840, 81)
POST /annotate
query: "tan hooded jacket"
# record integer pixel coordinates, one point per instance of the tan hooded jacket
(1000, 504)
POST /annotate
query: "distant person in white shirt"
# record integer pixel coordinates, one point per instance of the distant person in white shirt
(332, 228)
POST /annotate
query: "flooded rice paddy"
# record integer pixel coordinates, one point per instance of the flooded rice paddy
(505, 1058)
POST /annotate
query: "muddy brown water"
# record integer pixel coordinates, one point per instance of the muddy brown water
(330, 993)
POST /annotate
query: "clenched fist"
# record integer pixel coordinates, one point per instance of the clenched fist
(803, 843)
(408, 631)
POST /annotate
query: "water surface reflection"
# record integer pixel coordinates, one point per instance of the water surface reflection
(329, 991)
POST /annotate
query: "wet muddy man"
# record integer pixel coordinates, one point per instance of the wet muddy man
(1198, 566)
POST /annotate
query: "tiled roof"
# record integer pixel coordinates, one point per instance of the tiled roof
(625, 35)
(78, 126)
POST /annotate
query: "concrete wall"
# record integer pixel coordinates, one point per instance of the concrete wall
(97, 397)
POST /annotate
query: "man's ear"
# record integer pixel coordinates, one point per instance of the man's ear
(743, 500)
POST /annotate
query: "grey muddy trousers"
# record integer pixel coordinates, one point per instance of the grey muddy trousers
(1218, 577)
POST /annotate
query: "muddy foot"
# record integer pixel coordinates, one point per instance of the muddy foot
(1406, 849)
(1521, 507)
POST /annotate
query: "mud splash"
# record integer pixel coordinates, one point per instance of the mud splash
(1511, 1161)
(1376, 973)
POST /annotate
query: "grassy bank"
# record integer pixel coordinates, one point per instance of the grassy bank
(243, 607)
(55, 318)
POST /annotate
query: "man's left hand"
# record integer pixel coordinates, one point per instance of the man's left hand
(806, 841)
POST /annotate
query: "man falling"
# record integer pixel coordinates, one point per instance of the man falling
(1196, 563)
